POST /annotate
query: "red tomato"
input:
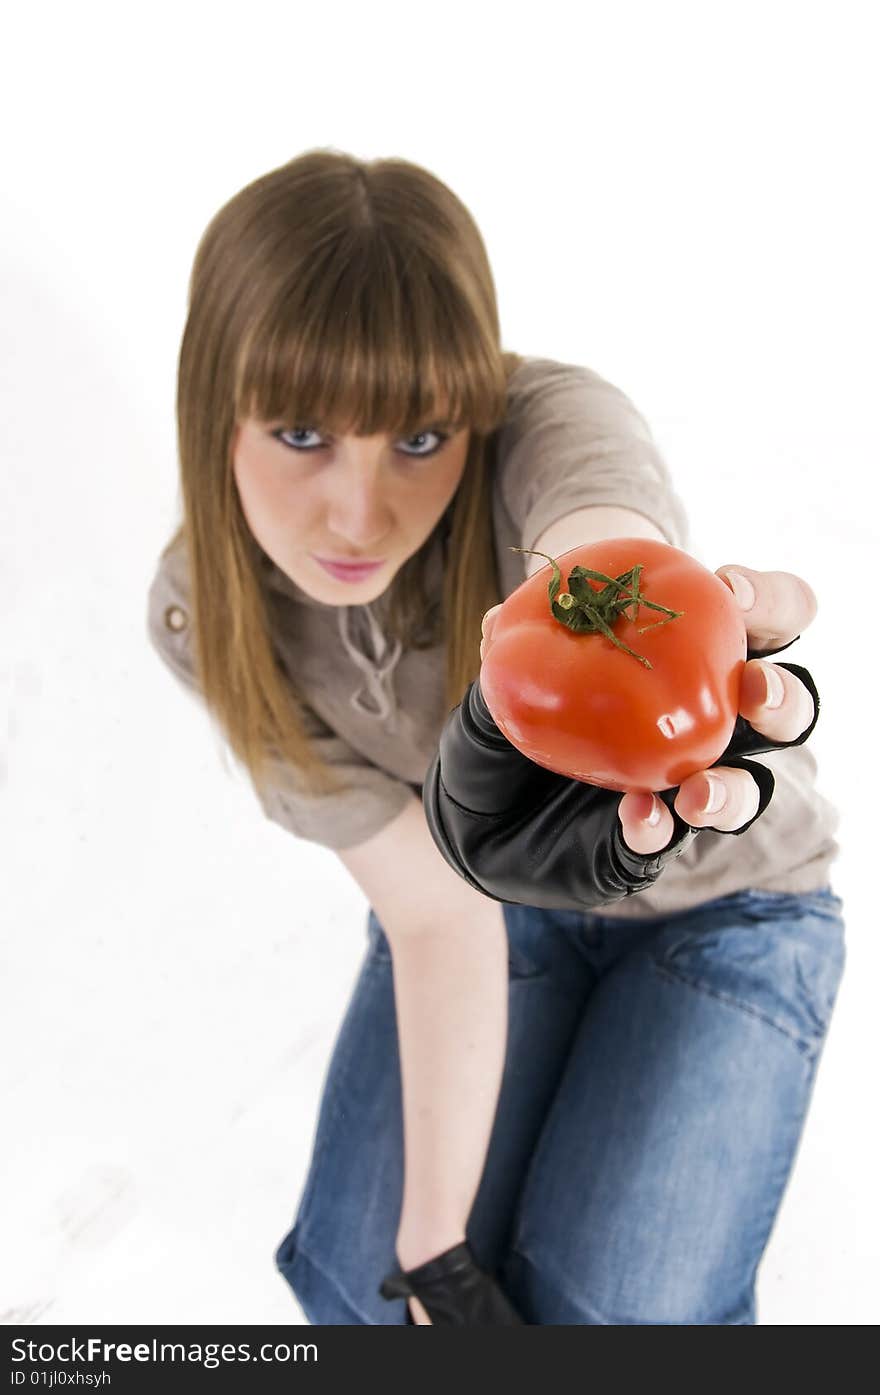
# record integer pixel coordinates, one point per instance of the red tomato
(573, 702)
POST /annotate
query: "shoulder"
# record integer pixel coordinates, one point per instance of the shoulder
(550, 402)
(573, 440)
(547, 392)
(535, 372)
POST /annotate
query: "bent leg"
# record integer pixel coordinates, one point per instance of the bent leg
(667, 1150)
(343, 1237)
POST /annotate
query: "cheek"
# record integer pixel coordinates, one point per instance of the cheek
(268, 505)
(251, 492)
(442, 476)
(450, 477)
(272, 503)
(424, 499)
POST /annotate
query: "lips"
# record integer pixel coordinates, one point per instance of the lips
(347, 571)
(352, 561)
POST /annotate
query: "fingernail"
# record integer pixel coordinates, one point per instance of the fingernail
(775, 686)
(742, 589)
(716, 796)
(654, 817)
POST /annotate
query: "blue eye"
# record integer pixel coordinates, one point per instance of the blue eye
(294, 431)
(442, 438)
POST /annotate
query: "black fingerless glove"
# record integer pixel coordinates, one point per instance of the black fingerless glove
(454, 1291)
(520, 833)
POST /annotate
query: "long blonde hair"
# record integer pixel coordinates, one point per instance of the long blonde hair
(357, 294)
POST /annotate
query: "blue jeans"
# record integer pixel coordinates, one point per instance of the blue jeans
(657, 1080)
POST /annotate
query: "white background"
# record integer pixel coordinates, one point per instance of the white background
(681, 196)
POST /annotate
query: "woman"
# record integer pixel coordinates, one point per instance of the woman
(598, 1106)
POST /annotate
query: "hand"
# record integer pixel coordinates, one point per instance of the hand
(456, 1291)
(782, 608)
(521, 833)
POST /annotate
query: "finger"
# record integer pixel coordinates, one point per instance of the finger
(487, 620)
(777, 606)
(486, 627)
(638, 834)
(732, 797)
(774, 701)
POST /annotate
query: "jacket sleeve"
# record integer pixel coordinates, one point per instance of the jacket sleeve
(168, 628)
(572, 439)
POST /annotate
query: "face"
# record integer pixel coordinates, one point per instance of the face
(308, 495)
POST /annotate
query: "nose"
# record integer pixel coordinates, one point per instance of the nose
(358, 511)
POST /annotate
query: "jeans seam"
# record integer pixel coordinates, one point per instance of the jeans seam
(302, 1253)
(334, 1083)
(558, 1282)
(806, 1047)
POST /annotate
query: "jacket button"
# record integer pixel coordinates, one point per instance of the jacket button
(175, 618)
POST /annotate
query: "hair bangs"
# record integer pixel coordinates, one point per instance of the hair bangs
(367, 346)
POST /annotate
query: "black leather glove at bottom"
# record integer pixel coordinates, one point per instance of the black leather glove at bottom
(454, 1291)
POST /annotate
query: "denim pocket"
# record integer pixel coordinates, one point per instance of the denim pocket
(822, 902)
(776, 955)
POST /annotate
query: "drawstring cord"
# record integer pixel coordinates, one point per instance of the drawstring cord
(378, 671)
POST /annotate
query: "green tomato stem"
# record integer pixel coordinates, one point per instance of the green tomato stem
(584, 610)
